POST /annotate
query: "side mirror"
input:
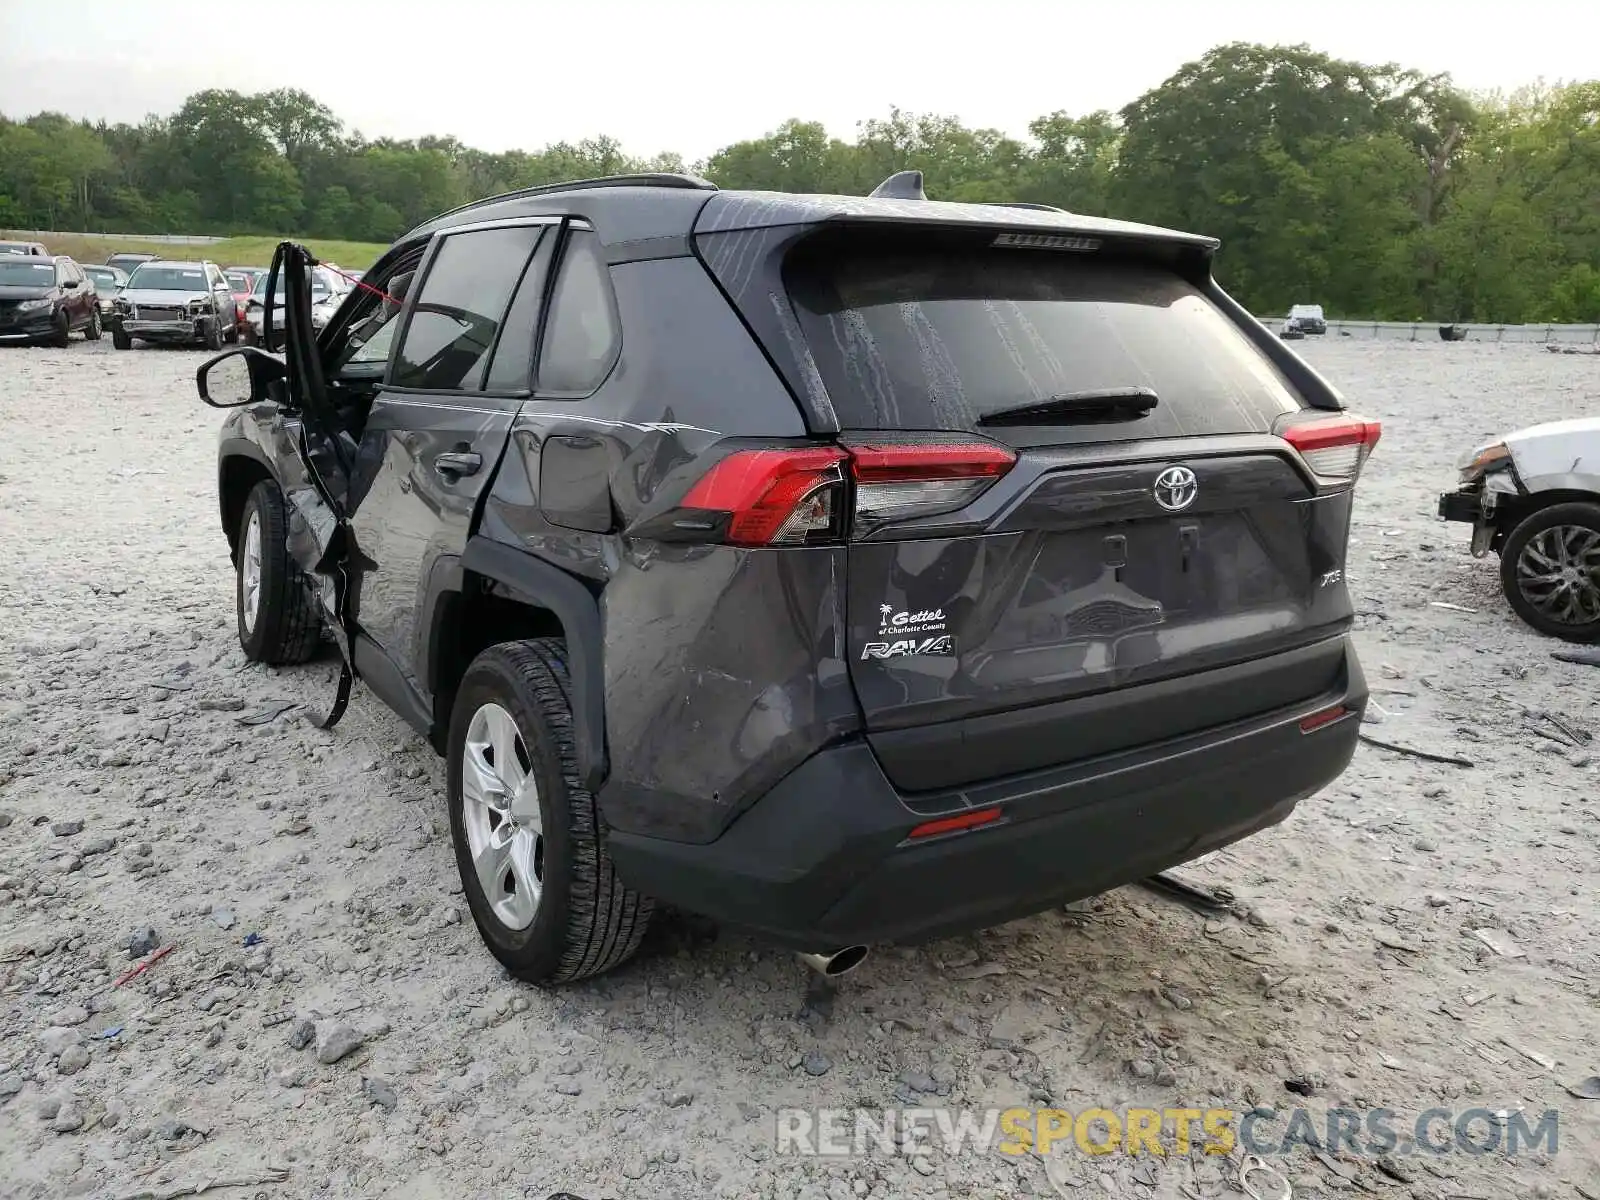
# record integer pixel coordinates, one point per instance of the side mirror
(69, 284)
(237, 377)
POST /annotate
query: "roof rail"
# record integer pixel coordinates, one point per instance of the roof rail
(1027, 204)
(662, 179)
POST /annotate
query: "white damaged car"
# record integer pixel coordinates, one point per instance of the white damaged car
(325, 299)
(1533, 497)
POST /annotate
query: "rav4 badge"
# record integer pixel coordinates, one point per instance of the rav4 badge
(944, 646)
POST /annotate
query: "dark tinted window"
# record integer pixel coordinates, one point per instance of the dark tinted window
(582, 336)
(459, 309)
(512, 367)
(933, 340)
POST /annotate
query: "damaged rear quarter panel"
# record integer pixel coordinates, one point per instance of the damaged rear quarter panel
(723, 667)
(724, 671)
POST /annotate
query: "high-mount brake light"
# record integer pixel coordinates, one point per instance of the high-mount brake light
(1046, 241)
(772, 497)
(920, 479)
(1335, 448)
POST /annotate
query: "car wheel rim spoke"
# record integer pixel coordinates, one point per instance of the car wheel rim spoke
(250, 571)
(501, 817)
(1558, 573)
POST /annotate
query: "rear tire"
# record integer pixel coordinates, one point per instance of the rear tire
(555, 911)
(120, 340)
(1550, 571)
(277, 615)
(91, 331)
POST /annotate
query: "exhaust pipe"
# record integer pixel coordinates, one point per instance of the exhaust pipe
(839, 962)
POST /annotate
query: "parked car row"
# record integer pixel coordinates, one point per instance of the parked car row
(140, 296)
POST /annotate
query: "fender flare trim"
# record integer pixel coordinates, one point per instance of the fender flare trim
(532, 581)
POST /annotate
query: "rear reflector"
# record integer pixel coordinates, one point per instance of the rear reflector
(921, 479)
(1334, 447)
(1326, 717)
(966, 820)
(773, 497)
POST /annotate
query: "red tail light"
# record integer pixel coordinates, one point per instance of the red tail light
(796, 496)
(1334, 447)
(772, 497)
(921, 479)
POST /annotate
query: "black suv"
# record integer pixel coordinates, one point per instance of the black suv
(843, 568)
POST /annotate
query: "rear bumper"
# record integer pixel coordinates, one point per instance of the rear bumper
(823, 861)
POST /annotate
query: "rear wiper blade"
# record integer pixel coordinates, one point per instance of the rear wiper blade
(1103, 404)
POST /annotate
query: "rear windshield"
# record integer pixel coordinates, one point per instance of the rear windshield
(934, 340)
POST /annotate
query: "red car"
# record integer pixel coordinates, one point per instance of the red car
(242, 281)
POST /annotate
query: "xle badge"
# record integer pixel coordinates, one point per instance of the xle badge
(943, 646)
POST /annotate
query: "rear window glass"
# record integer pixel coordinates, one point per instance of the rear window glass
(935, 340)
(581, 336)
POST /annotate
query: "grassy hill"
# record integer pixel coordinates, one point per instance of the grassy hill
(234, 252)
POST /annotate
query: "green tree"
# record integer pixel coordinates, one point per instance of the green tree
(1375, 190)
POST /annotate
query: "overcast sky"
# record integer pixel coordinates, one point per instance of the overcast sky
(694, 75)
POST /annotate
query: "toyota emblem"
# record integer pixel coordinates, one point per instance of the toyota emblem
(1176, 488)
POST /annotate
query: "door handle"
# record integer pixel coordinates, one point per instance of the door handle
(454, 465)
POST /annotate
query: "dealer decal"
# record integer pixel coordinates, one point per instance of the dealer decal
(900, 624)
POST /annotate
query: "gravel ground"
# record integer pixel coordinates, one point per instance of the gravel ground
(368, 1045)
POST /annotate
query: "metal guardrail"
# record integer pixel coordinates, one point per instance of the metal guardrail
(171, 239)
(1428, 331)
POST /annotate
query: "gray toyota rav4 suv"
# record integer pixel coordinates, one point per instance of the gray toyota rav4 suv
(843, 568)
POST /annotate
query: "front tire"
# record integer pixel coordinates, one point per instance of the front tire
(91, 331)
(62, 337)
(214, 334)
(530, 844)
(1550, 571)
(277, 614)
(120, 340)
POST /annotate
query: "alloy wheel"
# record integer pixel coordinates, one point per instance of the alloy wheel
(250, 572)
(500, 813)
(1558, 572)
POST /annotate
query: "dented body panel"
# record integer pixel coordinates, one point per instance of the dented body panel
(1558, 455)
